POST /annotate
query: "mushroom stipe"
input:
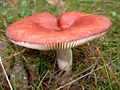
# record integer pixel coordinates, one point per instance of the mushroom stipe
(45, 32)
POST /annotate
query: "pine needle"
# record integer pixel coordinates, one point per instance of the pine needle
(6, 75)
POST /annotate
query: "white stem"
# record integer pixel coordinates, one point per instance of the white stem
(6, 75)
(64, 59)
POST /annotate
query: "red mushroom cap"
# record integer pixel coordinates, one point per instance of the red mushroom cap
(44, 31)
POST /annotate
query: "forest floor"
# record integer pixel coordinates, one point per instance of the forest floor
(96, 64)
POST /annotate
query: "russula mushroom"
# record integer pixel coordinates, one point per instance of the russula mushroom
(46, 32)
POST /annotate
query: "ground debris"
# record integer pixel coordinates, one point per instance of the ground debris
(6, 64)
(3, 46)
(53, 2)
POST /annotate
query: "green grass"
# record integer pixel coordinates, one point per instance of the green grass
(41, 65)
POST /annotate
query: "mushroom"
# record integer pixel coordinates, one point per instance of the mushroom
(46, 32)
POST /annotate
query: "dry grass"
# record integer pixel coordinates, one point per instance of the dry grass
(96, 64)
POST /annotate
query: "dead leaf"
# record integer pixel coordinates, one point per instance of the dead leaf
(14, 2)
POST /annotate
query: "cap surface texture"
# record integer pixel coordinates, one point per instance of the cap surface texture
(46, 32)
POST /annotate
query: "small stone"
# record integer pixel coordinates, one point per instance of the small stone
(19, 76)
